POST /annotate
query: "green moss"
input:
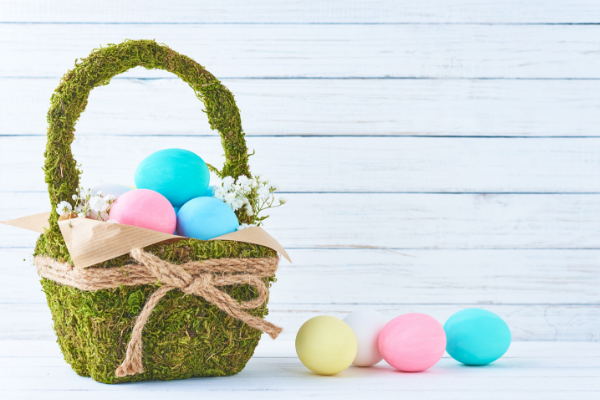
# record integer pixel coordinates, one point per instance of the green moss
(70, 99)
(185, 336)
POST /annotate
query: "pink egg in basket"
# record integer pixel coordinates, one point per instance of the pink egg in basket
(146, 209)
(412, 342)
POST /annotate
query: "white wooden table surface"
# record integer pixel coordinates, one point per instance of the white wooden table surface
(530, 370)
(436, 155)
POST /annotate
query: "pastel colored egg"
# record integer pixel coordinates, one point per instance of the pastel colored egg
(111, 188)
(177, 174)
(366, 325)
(326, 345)
(412, 342)
(146, 209)
(476, 336)
(176, 209)
(209, 191)
(205, 218)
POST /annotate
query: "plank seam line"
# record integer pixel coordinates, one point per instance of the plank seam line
(371, 192)
(299, 23)
(273, 306)
(373, 248)
(490, 78)
(308, 135)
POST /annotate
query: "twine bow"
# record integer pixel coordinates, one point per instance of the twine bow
(198, 278)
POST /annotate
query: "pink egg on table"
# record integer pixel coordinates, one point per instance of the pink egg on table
(146, 209)
(412, 342)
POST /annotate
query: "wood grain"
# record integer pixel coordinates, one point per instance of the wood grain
(568, 373)
(401, 221)
(527, 322)
(322, 107)
(274, 378)
(322, 164)
(438, 155)
(297, 11)
(393, 278)
(331, 51)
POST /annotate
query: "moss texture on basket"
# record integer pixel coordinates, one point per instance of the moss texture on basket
(185, 336)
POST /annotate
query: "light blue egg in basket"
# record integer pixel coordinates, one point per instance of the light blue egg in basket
(205, 218)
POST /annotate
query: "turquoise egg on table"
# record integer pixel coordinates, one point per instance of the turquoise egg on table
(476, 337)
(177, 174)
(205, 218)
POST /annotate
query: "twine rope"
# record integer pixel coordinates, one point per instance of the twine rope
(198, 278)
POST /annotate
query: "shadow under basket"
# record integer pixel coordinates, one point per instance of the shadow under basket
(185, 336)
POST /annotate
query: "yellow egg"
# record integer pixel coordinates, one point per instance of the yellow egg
(326, 345)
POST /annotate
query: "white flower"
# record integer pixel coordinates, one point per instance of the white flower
(219, 193)
(228, 182)
(84, 193)
(243, 183)
(63, 207)
(98, 204)
(110, 198)
(240, 201)
(81, 215)
(282, 200)
(253, 195)
(99, 193)
(231, 200)
(264, 193)
(74, 197)
(244, 226)
(230, 196)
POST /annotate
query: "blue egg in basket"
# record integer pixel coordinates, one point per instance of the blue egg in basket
(205, 218)
(476, 337)
(177, 174)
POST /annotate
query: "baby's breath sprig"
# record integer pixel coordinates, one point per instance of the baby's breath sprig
(253, 194)
(88, 205)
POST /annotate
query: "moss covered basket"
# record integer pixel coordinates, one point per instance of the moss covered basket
(185, 336)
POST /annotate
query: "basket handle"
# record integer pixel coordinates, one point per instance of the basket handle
(70, 99)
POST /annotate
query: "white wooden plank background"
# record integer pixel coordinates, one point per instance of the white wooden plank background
(363, 107)
(354, 164)
(402, 220)
(327, 51)
(303, 12)
(437, 155)
(519, 285)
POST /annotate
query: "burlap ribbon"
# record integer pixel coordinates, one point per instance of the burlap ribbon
(198, 278)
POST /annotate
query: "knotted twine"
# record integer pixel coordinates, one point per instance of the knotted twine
(198, 278)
